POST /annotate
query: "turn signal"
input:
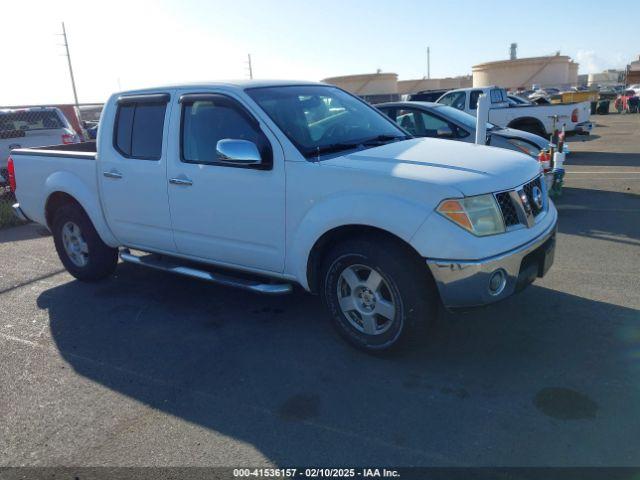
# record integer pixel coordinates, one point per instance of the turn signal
(453, 210)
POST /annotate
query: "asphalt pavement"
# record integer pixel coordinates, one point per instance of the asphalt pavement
(146, 368)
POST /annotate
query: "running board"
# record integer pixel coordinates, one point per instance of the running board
(153, 261)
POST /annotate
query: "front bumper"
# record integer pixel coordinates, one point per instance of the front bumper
(466, 283)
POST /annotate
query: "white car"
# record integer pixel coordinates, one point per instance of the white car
(262, 185)
(32, 127)
(537, 119)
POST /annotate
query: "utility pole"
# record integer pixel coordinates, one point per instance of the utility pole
(73, 81)
(428, 62)
(250, 68)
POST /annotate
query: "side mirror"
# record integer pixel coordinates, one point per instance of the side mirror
(445, 131)
(239, 152)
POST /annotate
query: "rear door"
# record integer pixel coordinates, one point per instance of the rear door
(133, 172)
(223, 213)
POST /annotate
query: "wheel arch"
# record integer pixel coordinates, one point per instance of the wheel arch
(519, 122)
(63, 188)
(332, 237)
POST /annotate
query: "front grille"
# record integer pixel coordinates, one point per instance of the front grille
(528, 190)
(507, 208)
(510, 209)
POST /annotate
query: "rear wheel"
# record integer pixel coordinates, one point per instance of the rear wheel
(378, 293)
(80, 248)
(532, 127)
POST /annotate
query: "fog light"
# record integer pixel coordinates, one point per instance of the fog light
(497, 282)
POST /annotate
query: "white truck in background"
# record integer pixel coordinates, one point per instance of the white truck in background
(537, 119)
(261, 185)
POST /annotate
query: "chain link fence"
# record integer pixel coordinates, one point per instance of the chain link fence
(37, 126)
(7, 199)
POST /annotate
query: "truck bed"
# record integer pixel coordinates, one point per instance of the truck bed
(85, 150)
(42, 170)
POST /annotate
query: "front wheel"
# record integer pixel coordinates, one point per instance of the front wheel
(378, 293)
(80, 248)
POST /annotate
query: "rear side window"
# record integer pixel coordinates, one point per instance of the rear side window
(138, 129)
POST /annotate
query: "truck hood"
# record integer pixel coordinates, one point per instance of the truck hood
(471, 169)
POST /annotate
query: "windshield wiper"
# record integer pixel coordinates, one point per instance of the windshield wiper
(382, 139)
(334, 147)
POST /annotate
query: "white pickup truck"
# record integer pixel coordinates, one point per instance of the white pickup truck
(262, 185)
(537, 119)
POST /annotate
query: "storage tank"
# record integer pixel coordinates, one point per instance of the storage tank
(367, 84)
(551, 71)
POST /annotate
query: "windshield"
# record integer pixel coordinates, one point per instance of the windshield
(461, 117)
(323, 119)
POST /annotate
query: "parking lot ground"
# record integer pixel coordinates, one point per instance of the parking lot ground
(151, 369)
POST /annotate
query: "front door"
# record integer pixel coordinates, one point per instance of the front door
(224, 213)
(133, 173)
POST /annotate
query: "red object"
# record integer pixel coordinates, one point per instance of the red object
(574, 115)
(68, 138)
(12, 174)
(544, 158)
(70, 112)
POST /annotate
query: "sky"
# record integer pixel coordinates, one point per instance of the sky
(118, 45)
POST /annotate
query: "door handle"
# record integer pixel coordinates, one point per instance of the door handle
(112, 174)
(181, 181)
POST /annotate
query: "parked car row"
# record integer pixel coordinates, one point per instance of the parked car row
(425, 119)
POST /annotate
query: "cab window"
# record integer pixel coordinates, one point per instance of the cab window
(211, 118)
(423, 124)
(454, 99)
(473, 99)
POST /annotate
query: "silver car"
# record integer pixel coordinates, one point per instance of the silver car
(426, 119)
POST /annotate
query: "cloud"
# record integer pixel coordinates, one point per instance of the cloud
(591, 62)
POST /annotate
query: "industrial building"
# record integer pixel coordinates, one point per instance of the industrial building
(633, 72)
(608, 77)
(550, 71)
(380, 87)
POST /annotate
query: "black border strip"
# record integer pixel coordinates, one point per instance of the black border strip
(144, 98)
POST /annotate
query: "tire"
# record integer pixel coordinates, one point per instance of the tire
(85, 255)
(402, 280)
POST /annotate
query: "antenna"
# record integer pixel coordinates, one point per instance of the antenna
(73, 81)
(428, 62)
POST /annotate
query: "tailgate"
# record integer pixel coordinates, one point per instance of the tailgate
(584, 112)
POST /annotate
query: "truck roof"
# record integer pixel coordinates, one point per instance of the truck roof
(241, 84)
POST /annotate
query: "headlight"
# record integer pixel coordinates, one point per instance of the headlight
(525, 147)
(479, 215)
